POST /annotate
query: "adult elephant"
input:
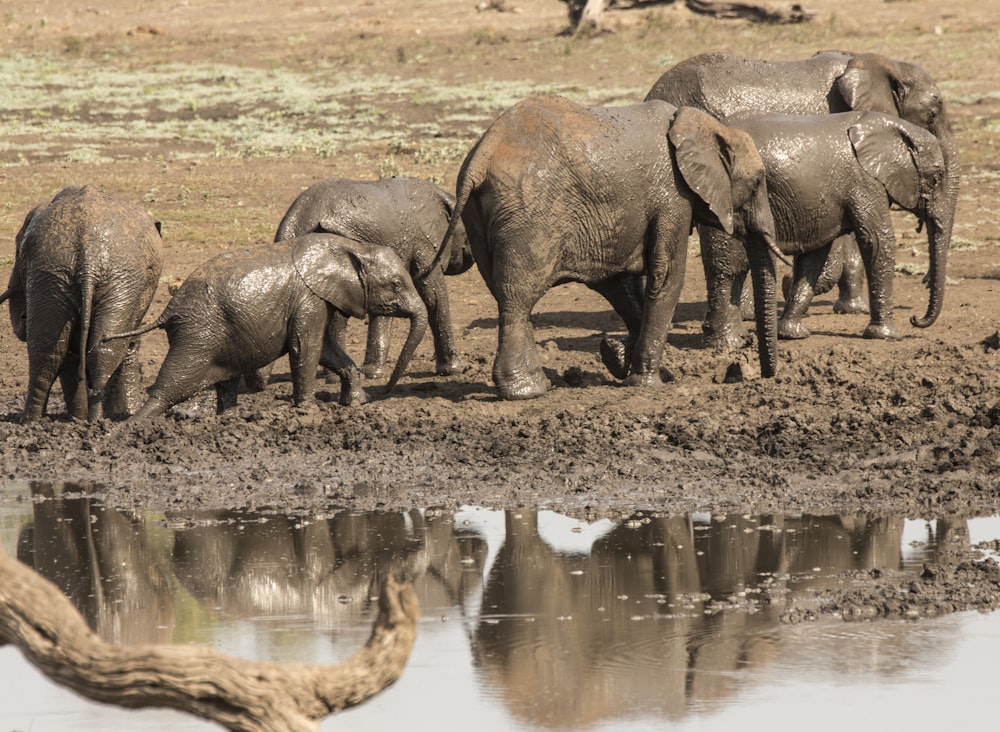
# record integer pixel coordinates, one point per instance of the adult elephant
(556, 192)
(86, 265)
(242, 310)
(730, 86)
(834, 174)
(409, 216)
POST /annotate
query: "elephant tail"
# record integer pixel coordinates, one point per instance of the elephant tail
(160, 322)
(4, 296)
(470, 177)
(86, 311)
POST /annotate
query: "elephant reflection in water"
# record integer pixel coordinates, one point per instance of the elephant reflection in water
(642, 620)
(247, 564)
(102, 560)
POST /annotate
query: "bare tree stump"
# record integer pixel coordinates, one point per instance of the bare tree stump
(238, 694)
(587, 16)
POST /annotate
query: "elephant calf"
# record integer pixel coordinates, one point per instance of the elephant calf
(242, 310)
(86, 265)
(410, 217)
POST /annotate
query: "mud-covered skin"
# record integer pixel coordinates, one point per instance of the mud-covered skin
(242, 310)
(555, 192)
(868, 161)
(732, 86)
(823, 437)
(409, 216)
(87, 265)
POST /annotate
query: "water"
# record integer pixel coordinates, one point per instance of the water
(529, 620)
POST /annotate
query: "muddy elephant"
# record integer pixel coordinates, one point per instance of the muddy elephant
(409, 216)
(243, 309)
(86, 265)
(834, 174)
(555, 192)
(829, 82)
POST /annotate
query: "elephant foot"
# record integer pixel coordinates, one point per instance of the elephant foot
(728, 339)
(851, 305)
(613, 356)
(792, 330)
(885, 331)
(450, 366)
(525, 387)
(373, 370)
(646, 378)
(354, 397)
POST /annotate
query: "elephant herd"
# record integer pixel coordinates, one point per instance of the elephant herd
(795, 159)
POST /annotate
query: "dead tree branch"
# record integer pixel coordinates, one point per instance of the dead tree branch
(239, 694)
(586, 16)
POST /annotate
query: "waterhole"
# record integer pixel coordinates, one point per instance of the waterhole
(530, 620)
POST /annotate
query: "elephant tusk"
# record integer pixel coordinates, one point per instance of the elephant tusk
(777, 252)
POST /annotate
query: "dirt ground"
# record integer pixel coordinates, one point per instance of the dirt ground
(847, 426)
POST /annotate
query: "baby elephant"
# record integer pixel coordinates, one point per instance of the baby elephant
(242, 310)
(87, 264)
(410, 217)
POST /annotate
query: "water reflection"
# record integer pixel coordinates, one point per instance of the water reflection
(567, 627)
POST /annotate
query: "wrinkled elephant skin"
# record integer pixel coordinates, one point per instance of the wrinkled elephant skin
(409, 216)
(86, 265)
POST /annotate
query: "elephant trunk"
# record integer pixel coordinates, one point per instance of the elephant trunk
(939, 237)
(418, 327)
(762, 270)
(939, 220)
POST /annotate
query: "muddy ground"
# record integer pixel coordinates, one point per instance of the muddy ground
(847, 426)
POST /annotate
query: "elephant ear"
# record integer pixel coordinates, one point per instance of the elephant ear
(898, 155)
(332, 271)
(870, 84)
(698, 151)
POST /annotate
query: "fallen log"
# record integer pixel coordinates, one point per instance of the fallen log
(586, 16)
(239, 694)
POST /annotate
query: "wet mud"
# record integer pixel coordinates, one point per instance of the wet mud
(848, 426)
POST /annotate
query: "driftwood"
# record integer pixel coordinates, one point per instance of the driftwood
(238, 694)
(587, 15)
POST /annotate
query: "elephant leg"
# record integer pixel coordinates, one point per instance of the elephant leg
(878, 250)
(852, 297)
(305, 349)
(74, 393)
(806, 271)
(336, 334)
(665, 263)
(517, 368)
(46, 354)
(125, 387)
(725, 264)
(624, 293)
(226, 394)
(434, 292)
(336, 359)
(184, 373)
(377, 347)
(745, 288)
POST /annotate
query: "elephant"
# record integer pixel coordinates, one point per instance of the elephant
(409, 216)
(555, 192)
(730, 86)
(87, 264)
(830, 175)
(243, 309)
